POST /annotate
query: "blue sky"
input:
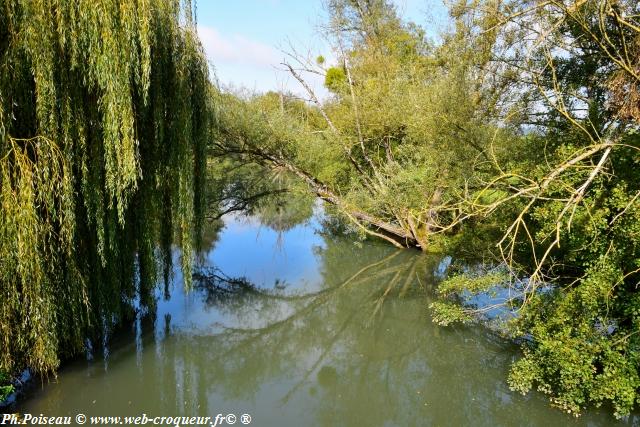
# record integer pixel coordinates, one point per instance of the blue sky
(243, 39)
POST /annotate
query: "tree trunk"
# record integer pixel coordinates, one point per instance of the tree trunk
(381, 228)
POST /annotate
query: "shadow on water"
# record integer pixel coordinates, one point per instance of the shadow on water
(300, 327)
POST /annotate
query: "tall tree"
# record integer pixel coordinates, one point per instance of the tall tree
(396, 142)
(104, 119)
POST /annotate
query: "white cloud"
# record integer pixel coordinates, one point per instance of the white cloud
(236, 48)
(241, 62)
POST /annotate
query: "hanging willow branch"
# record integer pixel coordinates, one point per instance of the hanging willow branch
(104, 120)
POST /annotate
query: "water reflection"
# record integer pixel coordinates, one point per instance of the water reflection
(300, 328)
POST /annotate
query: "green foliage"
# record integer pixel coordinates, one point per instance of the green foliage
(452, 306)
(5, 391)
(335, 80)
(104, 119)
(5, 387)
(582, 350)
(475, 284)
(445, 313)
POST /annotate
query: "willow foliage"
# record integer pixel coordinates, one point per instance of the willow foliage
(104, 120)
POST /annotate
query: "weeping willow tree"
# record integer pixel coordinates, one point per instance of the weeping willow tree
(104, 119)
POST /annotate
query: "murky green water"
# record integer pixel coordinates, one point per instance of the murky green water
(335, 333)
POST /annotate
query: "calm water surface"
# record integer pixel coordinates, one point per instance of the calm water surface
(324, 332)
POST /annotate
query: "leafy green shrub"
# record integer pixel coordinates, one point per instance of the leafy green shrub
(5, 387)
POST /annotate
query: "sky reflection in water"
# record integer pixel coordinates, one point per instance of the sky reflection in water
(334, 333)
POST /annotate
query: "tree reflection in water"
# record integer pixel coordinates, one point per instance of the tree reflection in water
(358, 351)
(355, 347)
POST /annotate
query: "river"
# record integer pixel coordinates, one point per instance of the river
(300, 327)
